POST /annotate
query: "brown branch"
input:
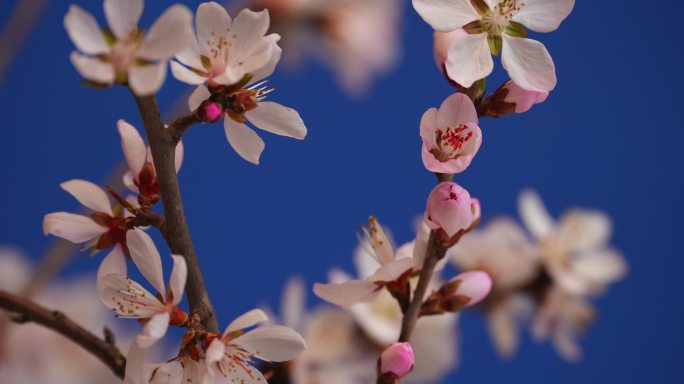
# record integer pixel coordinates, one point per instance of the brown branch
(28, 311)
(435, 252)
(178, 127)
(176, 233)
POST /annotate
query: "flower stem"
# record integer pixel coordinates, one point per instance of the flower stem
(176, 231)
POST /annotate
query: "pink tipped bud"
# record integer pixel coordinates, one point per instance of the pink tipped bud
(475, 285)
(522, 98)
(443, 41)
(396, 361)
(210, 111)
(450, 208)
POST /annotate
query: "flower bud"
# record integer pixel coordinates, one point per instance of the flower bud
(450, 208)
(210, 112)
(396, 361)
(474, 285)
(510, 98)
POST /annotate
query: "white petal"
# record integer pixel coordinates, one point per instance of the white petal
(446, 15)
(93, 69)
(198, 96)
(600, 267)
(272, 343)
(528, 64)
(84, 31)
(135, 363)
(113, 263)
(123, 15)
(249, 28)
(169, 35)
(245, 373)
(244, 140)
(133, 146)
(190, 56)
(249, 319)
(212, 22)
(147, 79)
(347, 293)
(172, 372)
(277, 119)
(182, 73)
(146, 257)
(128, 298)
(580, 229)
(68, 226)
(154, 330)
(261, 61)
(543, 15)
(534, 214)
(179, 275)
(267, 69)
(392, 270)
(179, 156)
(469, 59)
(88, 194)
(214, 354)
(293, 303)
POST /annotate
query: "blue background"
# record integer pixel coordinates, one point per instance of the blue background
(610, 136)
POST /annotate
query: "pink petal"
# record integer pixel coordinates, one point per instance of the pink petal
(75, 228)
(179, 275)
(528, 64)
(88, 194)
(474, 284)
(133, 146)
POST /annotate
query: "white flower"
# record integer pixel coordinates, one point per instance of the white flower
(498, 26)
(129, 299)
(141, 176)
(183, 369)
(563, 318)
(502, 249)
(105, 228)
(226, 50)
(389, 267)
(230, 55)
(124, 53)
(230, 356)
(575, 249)
(506, 317)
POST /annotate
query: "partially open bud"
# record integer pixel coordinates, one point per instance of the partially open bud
(511, 98)
(395, 362)
(210, 112)
(464, 290)
(450, 208)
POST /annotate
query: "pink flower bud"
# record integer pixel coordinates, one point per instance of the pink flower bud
(443, 41)
(397, 360)
(450, 208)
(523, 99)
(474, 285)
(210, 111)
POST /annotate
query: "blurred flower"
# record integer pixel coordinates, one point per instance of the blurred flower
(224, 51)
(563, 318)
(358, 39)
(498, 26)
(391, 268)
(141, 176)
(124, 53)
(450, 208)
(31, 353)
(451, 136)
(502, 250)
(103, 229)
(506, 317)
(575, 250)
(396, 360)
(229, 356)
(128, 299)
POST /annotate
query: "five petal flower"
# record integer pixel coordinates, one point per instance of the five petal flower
(123, 53)
(498, 26)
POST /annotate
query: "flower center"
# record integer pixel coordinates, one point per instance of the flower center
(451, 141)
(497, 19)
(122, 54)
(218, 52)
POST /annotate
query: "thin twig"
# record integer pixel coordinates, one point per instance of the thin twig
(177, 233)
(28, 311)
(178, 127)
(435, 252)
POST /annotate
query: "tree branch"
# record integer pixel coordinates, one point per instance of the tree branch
(435, 252)
(176, 233)
(178, 127)
(28, 311)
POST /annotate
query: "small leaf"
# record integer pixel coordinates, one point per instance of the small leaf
(206, 62)
(480, 6)
(474, 27)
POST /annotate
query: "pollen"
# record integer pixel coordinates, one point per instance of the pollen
(453, 138)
